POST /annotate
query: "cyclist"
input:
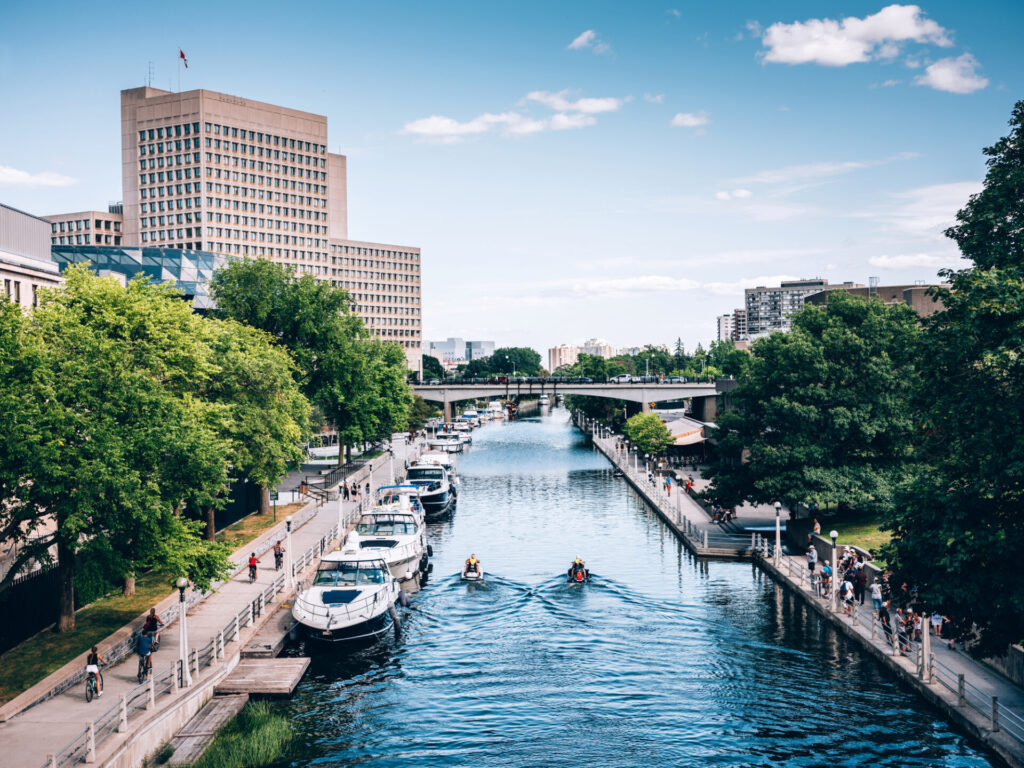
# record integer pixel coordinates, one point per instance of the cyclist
(278, 555)
(252, 566)
(144, 647)
(92, 668)
(152, 627)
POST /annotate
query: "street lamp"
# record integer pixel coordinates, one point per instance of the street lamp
(513, 365)
(778, 534)
(391, 464)
(186, 677)
(835, 576)
(288, 550)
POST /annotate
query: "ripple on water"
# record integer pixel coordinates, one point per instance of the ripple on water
(661, 661)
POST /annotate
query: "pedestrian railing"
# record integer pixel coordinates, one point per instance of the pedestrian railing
(896, 641)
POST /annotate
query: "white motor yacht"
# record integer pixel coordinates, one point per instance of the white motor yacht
(401, 498)
(352, 597)
(437, 492)
(545, 400)
(447, 441)
(398, 537)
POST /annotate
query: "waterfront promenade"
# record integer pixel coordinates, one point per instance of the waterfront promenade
(222, 622)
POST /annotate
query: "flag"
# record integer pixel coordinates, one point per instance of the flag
(181, 55)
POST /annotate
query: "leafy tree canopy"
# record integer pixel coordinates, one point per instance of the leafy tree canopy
(648, 433)
(432, 368)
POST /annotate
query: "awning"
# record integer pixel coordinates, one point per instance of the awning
(685, 431)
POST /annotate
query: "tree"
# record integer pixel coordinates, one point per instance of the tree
(332, 349)
(432, 368)
(723, 356)
(648, 433)
(526, 361)
(419, 413)
(99, 439)
(823, 415)
(679, 354)
(958, 521)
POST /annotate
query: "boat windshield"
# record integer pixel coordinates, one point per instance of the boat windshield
(332, 574)
(426, 473)
(385, 526)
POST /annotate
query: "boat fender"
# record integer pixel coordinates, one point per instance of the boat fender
(394, 619)
(430, 550)
(403, 598)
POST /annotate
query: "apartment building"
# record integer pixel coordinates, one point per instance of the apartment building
(598, 347)
(563, 354)
(25, 262)
(87, 227)
(725, 326)
(739, 325)
(212, 172)
(770, 308)
(914, 296)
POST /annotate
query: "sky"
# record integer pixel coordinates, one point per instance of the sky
(571, 169)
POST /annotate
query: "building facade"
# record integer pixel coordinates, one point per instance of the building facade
(563, 354)
(207, 171)
(475, 350)
(598, 347)
(87, 227)
(725, 325)
(454, 350)
(914, 296)
(769, 309)
(191, 271)
(25, 261)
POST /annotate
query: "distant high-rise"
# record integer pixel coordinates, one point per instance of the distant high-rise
(598, 347)
(770, 308)
(725, 325)
(563, 354)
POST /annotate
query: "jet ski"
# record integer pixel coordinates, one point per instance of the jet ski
(472, 574)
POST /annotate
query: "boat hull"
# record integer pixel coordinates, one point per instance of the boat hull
(371, 628)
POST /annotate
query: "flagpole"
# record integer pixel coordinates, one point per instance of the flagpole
(179, 70)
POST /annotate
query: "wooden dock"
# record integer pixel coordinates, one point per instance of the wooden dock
(264, 677)
(270, 640)
(195, 737)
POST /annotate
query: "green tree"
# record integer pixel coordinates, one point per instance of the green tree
(525, 360)
(99, 441)
(648, 433)
(723, 356)
(419, 413)
(432, 368)
(823, 414)
(957, 527)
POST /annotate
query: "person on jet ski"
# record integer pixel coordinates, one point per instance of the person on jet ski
(472, 566)
(578, 570)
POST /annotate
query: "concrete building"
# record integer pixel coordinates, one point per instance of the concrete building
(87, 227)
(191, 271)
(725, 325)
(598, 347)
(739, 325)
(25, 261)
(914, 296)
(454, 350)
(770, 308)
(563, 354)
(211, 172)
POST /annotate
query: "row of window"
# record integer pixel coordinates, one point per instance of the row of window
(170, 161)
(270, 154)
(171, 131)
(361, 250)
(86, 239)
(277, 141)
(84, 224)
(259, 165)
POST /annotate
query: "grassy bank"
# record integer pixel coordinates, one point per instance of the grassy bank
(26, 664)
(860, 529)
(256, 737)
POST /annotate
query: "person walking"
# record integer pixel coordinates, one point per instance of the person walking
(876, 596)
(344, 490)
(860, 583)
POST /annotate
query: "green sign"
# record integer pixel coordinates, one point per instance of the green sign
(273, 495)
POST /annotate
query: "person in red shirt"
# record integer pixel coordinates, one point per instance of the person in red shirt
(252, 567)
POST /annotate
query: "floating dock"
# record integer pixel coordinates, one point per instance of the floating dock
(264, 677)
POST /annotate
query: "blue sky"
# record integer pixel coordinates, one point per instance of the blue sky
(619, 170)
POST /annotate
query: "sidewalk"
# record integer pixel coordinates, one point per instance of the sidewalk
(47, 727)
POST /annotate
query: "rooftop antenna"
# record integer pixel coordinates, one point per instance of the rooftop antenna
(149, 74)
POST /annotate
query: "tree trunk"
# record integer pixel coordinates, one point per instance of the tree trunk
(66, 596)
(341, 453)
(129, 585)
(264, 499)
(211, 525)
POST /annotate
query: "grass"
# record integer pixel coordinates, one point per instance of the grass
(861, 529)
(256, 737)
(29, 662)
(250, 527)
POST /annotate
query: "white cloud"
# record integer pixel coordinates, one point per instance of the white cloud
(737, 287)
(690, 119)
(908, 260)
(655, 98)
(736, 194)
(589, 39)
(925, 212)
(12, 177)
(591, 106)
(800, 173)
(584, 40)
(570, 114)
(674, 12)
(886, 84)
(851, 40)
(954, 75)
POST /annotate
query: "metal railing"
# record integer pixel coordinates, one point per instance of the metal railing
(893, 639)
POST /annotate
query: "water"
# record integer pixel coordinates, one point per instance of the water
(662, 661)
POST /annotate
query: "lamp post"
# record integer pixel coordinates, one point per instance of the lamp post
(507, 360)
(778, 534)
(391, 464)
(186, 678)
(288, 550)
(835, 576)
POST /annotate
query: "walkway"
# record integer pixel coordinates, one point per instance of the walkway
(27, 738)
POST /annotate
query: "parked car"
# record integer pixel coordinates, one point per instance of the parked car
(622, 378)
(434, 382)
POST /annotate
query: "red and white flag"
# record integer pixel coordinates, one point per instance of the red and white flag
(181, 55)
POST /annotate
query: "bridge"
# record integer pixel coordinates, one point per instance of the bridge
(703, 394)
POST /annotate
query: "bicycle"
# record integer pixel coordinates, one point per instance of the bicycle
(252, 573)
(93, 685)
(145, 667)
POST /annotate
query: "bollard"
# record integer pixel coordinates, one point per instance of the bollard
(995, 714)
(122, 723)
(961, 699)
(151, 694)
(90, 747)
(705, 539)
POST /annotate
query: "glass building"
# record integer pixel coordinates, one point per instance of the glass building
(191, 271)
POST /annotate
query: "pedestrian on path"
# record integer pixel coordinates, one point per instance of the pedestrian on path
(812, 560)
(937, 619)
(876, 596)
(345, 491)
(860, 582)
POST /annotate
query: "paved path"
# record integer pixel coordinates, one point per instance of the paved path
(27, 738)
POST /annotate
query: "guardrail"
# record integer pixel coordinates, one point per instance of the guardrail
(894, 640)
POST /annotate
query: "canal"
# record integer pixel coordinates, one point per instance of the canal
(662, 661)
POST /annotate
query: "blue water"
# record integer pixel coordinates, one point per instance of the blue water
(662, 661)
